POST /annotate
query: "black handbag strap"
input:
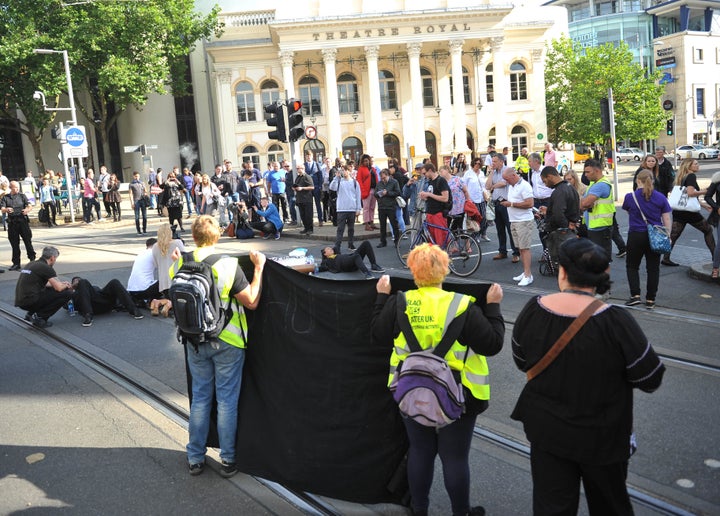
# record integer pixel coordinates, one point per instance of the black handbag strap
(451, 332)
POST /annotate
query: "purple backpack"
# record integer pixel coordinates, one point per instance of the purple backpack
(424, 386)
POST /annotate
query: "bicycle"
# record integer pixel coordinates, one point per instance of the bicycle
(463, 249)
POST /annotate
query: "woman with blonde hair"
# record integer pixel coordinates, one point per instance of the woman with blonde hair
(162, 252)
(573, 180)
(656, 208)
(209, 195)
(687, 177)
(482, 335)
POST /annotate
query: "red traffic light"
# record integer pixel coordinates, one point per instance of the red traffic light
(294, 106)
(295, 120)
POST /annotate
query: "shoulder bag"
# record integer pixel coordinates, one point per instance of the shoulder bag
(563, 340)
(659, 239)
(681, 201)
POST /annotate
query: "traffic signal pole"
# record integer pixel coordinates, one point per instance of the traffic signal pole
(611, 105)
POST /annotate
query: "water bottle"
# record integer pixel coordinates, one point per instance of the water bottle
(310, 259)
(71, 308)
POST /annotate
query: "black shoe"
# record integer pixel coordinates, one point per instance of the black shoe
(228, 469)
(633, 301)
(308, 233)
(138, 316)
(669, 263)
(88, 320)
(380, 245)
(14, 268)
(478, 510)
(649, 304)
(196, 469)
(2, 270)
(29, 317)
(376, 268)
(41, 323)
(369, 276)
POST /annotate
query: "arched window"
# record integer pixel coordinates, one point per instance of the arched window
(316, 147)
(518, 81)
(431, 146)
(427, 88)
(491, 137)
(489, 90)
(251, 154)
(309, 88)
(470, 139)
(245, 102)
(466, 87)
(388, 97)
(269, 92)
(352, 149)
(348, 93)
(276, 153)
(392, 146)
(518, 140)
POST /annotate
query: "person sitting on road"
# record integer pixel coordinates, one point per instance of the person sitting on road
(333, 261)
(272, 226)
(90, 300)
(39, 291)
(143, 284)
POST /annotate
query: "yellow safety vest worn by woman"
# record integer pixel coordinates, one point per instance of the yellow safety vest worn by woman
(427, 311)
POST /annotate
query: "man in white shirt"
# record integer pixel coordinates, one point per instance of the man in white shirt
(519, 205)
(143, 282)
(474, 181)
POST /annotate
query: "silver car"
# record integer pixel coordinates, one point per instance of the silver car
(630, 153)
(696, 152)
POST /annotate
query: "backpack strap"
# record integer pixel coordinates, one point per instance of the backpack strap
(451, 331)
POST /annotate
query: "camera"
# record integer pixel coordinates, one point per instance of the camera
(500, 199)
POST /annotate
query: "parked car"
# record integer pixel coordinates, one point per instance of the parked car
(630, 153)
(696, 151)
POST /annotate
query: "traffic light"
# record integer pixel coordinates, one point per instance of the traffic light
(295, 120)
(670, 127)
(143, 150)
(276, 120)
(605, 115)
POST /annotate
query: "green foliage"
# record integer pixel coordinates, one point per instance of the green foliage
(577, 78)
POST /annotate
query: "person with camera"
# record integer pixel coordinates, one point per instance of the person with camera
(271, 226)
(16, 206)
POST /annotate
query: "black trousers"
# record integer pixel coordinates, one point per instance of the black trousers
(266, 227)
(150, 293)
(638, 246)
(51, 210)
(363, 251)
(383, 215)
(280, 201)
(19, 227)
(345, 218)
(556, 486)
(306, 213)
(89, 300)
(49, 302)
(603, 238)
(502, 225)
(175, 214)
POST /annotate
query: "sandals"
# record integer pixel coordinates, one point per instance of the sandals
(715, 273)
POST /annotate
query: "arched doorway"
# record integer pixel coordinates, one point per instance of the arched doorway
(518, 140)
(392, 146)
(470, 140)
(431, 146)
(316, 147)
(352, 149)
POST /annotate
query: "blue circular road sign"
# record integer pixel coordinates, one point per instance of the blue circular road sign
(75, 137)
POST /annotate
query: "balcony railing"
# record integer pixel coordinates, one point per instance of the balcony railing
(248, 19)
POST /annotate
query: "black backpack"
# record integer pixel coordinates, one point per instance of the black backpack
(200, 316)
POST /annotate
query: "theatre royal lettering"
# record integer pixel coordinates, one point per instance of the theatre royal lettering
(391, 31)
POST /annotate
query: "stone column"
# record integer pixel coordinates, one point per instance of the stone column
(227, 114)
(287, 61)
(501, 86)
(459, 117)
(418, 113)
(480, 60)
(374, 121)
(445, 116)
(332, 108)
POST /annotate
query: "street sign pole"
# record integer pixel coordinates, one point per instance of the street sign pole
(68, 179)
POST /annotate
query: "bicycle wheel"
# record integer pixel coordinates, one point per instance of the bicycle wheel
(464, 253)
(406, 243)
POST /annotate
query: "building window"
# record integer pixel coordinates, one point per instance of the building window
(269, 92)
(348, 93)
(245, 102)
(518, 81)
(392, 146)
(309, 88)
(352, 149)
(491, 137)
(466, 87)
(316, 147)
(700, 101)
(427, 88)
(697, 55)
(276, 153)
(518, 140)
(388, 96)
(489, 90)
(607, 7)
(251, 154)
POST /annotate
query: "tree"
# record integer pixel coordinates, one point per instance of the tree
(577, 78)
(120, 52)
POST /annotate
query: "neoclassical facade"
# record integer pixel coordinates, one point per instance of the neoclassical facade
(430, 82)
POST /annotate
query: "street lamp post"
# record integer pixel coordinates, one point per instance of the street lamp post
(73, 114)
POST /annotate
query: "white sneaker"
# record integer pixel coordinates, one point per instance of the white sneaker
(525, 281)
(519, 276)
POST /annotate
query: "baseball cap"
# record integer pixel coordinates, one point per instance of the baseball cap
(419, 166)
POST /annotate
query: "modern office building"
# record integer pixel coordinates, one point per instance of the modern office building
(387, 78)
(681, 37)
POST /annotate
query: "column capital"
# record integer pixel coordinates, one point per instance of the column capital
(286, 57)
(456, 46)
(224, 76)
(329, 54)
(414, 49)
(372, 52)
(496, 43)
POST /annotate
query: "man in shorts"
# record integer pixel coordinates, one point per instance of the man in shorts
(519, 205)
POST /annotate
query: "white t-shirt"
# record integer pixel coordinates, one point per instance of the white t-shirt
(517, 193)
(475, 187)
(143, 272)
